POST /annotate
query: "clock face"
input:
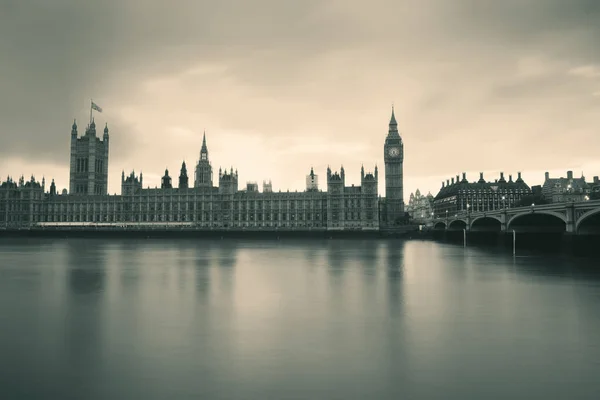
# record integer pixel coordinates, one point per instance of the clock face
(394, 152)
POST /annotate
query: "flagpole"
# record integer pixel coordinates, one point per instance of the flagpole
(91, 110)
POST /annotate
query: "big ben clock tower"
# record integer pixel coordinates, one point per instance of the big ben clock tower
(393, 157)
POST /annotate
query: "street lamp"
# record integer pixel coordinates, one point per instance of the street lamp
(503, 202)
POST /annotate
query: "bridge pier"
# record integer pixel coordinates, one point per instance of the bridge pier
(571, 219)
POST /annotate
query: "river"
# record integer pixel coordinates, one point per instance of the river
(294, 319)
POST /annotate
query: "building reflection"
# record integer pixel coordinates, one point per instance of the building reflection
(368, 257)
(394, 263)
(86, 280)
(203, 262)
(337, 257)
(86, 272)
(227, 253)
(226, 256)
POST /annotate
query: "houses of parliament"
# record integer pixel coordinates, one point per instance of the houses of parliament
(195, 202)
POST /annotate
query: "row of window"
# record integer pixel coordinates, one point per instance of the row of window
(206, 216)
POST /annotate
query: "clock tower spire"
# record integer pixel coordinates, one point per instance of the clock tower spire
(393, 154)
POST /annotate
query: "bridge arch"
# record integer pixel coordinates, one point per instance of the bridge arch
(439, 225)
(589, 223)
(457, 225)
(548, 221)
(486, 223)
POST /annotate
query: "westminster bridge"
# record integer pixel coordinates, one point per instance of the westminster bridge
(578, 218)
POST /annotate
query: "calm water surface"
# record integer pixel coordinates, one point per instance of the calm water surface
(128, 319)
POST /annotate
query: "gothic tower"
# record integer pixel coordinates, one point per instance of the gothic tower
(393, 150)
(183, 178)
(166, 181)
(203, 175)
(89, 162)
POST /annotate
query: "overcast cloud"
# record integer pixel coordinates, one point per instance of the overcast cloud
(281, 86)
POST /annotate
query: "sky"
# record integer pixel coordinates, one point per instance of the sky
(281, 86)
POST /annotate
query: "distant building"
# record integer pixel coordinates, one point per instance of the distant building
(595, 189)
(420, 207)
(559, 190)
(457, 196)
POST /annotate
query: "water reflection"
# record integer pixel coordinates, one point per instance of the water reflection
(337, 256)
(84, 313)
(294, 319)
(227, 253)
(394, 263)
(202, 270)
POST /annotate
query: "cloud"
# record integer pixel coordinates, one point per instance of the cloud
(282, 85)
(586, 71)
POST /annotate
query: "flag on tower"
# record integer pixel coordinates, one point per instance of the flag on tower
(96, 107)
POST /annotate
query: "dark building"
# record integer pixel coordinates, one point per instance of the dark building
(460, 195)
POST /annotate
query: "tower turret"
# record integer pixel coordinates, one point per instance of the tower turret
(166, 181)
(312, 181)
(183, 178)
(228, 182)
(131, 185)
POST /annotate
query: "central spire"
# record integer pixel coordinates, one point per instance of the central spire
(204, 148)
(393, 129)
(393, 119)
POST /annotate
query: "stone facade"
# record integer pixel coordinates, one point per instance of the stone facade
(23, 203)
(203, 206)
(458, 196)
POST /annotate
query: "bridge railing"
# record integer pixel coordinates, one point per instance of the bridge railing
(541, 207)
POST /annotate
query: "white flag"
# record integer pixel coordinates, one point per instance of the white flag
(96, 107)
